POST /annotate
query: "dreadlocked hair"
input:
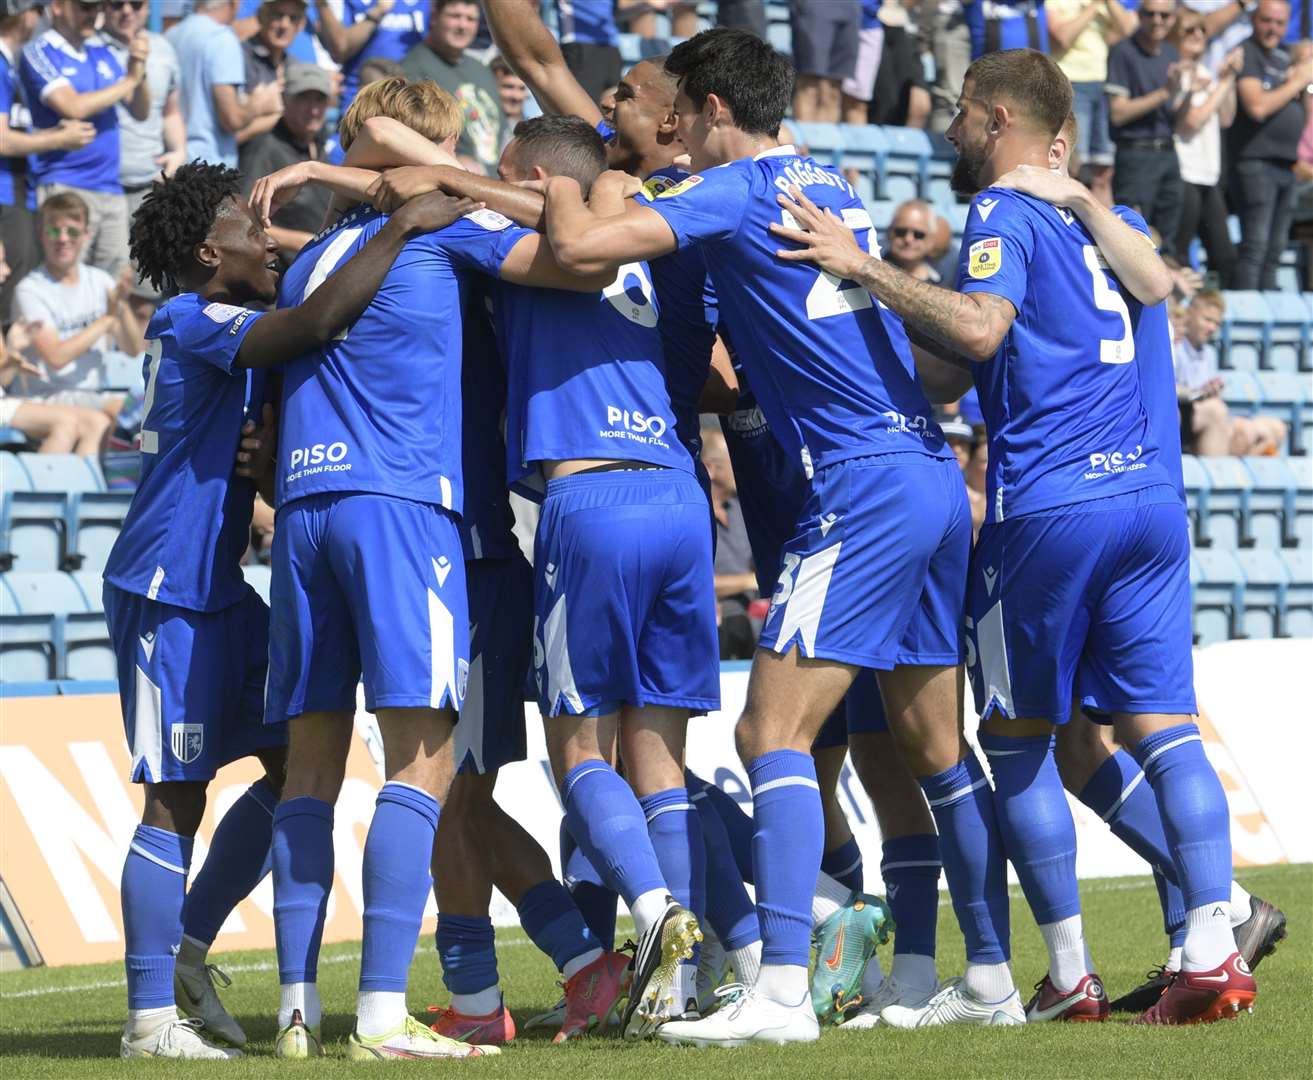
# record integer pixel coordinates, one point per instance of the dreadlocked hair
(174, 217)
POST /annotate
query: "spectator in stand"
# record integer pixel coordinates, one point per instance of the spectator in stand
(950, 45)
(441, 57)
(859, 88)
(213, 80)
(512, 94)
(69, 74)
(590, 42)
(1080, 32)
(824, 54)
(83, 312)
(1207, 426)
(298, 136)
(18, 22)
(55, 429)
(1006, 24)
(157, 145)
(277, 22)
(901, 98)
(1146, 88)
(639, 17)
(736, 583)
(911, 237)
(1211, 107)
(1264, 142)
(386, 29)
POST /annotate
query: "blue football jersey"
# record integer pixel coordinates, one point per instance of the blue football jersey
(687, 322)
(397, 32)
(830, 367)
(487, 524)
(1062, 397)
(378, 410)
(189, 525)
(585, 377)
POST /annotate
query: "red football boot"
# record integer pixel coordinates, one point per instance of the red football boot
(1088, 1002)
(1200, 997)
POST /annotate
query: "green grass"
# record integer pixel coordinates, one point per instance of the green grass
(48, 1018)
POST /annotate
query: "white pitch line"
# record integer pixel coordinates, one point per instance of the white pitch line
(240, 969)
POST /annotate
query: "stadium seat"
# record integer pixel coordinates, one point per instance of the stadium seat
(1218, 595)
(10, 436)
(907, 164)
(1229, 483)
(1266, 578)
(1285, 395)
(1196, 497)
(1241, 392)
(95, 518)
(1271, 522)
(1245, 331)
(33, 530)
(882, 216)
(63, 472)
(864, 149)
(1304, 510)
(27, 642)
(53, 599)
(258, 577)
(956, 213)
(823, 141)
(1299, 594)
(124, 372)
(631, 48)
(1289, 340)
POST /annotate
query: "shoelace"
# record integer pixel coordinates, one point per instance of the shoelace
(213, 971)
(735, 995)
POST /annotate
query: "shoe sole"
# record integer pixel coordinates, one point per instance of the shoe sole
(729, 1044)
(1228, 1006)
(679, 934)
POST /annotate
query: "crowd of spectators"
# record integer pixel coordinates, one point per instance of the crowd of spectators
(1190, 110)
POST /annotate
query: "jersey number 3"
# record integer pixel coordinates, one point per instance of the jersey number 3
(1107, 298)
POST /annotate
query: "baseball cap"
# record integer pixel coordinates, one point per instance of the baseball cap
(15, 7)
(301, 78)
(956, 428)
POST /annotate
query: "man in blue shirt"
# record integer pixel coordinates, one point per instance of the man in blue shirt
(189, 633)
(370, 29)
(834, 377)
(1006, 24)
(589, 42)
(70, 74)
(1072, 452)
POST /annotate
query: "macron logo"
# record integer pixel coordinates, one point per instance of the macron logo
(148, 645)
(991, 576)
(985, 207)
(827, 523)
(441, 568)
(549, 575)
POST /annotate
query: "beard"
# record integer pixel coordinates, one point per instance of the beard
(966, 171)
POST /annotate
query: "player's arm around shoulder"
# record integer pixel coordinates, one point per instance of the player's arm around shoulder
(586, 242)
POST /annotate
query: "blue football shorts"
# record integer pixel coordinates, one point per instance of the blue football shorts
(372, 585)
(191, 684)
(861, 712)
(876, 575)
(624, 594)
(1090, 600)
(491, 731)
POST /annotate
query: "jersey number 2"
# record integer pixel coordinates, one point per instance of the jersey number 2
(826, 298)
(150, 440)
(1108, 298)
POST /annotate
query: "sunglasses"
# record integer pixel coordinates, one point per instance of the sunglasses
(1192, 30)
(73, 232)
(1157, 14)
(902, 231)
(119, 5)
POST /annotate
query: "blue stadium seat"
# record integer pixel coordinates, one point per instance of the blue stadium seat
(1285, 395)
(50, 598)
(1241, 392)
(864, 149)
(1196, 496)
(1271, 521)
(1304, 510)
(1218, 595)
(823, 141)
(882, 216)
(95, 518)
(906, 165)
(780, 36)
(124, 372)
(956, 214)
(63, 472)
(258, 577)
(33, 530)
(27, 642)
(10, 436)
(1245, 331)
(631, 48)
(1266, 579)
(1229, 483)
(1289, 340)
(1299, 594)
(87, 648)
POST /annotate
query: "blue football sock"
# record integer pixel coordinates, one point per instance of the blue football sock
(844, 864)
(675, 830)
(1035, 820)
(152, 891)
(786, 850)
(396, 883)
(974, 860)
(553, 922)
(739, 825)
(596, 902)
(303, 874)
(608, 825)
(730, 911)
(467, 950)
(910, 866)
(237, 862)
(1118, 794)
(1194, 812)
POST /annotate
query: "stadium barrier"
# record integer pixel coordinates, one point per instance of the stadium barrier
(67, 811)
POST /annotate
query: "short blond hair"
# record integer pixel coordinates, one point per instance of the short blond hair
(1210, 298)
(423, 106)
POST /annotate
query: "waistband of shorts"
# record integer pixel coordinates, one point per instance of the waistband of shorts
(317, 500)
(888, 458)
(1153, 495)
(661, 476)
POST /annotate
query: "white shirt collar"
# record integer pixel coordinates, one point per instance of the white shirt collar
(784, 150)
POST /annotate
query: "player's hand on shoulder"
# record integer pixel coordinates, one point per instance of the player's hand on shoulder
(823, 237)
(432, 211)
(396, 187)
(1042, 183)
(614, 181)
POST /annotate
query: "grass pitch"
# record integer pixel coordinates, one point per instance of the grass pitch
(65, 1022)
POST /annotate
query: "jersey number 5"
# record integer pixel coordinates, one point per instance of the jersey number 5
(1108, 298)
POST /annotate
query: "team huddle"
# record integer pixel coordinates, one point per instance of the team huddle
(449, 338)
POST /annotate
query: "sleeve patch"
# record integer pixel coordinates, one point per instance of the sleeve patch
(489, 219)
(985, 258)
(222, 313)
(656, 186)
(683, 186)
